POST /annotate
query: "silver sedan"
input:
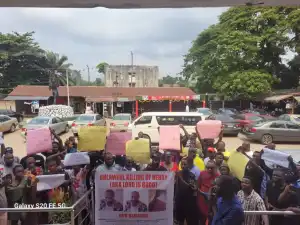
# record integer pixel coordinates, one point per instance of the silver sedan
(58, 125)
(273, 131)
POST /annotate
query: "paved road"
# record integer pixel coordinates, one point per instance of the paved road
(16, 141)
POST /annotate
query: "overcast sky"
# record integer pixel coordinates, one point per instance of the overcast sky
(88, 36)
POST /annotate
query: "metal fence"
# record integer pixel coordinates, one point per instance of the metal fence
(81, 212)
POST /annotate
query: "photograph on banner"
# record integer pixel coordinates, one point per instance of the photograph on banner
(125, 198)
(111, 200)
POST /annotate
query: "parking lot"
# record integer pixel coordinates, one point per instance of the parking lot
(16, 141)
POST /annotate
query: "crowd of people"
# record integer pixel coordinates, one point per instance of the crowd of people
(206, 192)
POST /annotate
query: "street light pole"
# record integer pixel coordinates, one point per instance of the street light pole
(68, 91)
(131, 68)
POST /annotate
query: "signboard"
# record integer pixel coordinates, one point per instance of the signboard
(140, 198)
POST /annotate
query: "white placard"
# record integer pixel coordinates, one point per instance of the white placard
(76, 158)
(48, 182)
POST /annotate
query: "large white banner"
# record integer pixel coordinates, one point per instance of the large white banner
(134, 198)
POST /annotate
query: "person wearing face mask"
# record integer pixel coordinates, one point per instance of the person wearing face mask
(205, 183)
(109, 163)
(155, 164)
(186, 195)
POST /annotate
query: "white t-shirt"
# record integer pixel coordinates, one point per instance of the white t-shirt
(206, 160)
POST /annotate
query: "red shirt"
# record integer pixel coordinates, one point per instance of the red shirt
(205, 182)
(174, 167)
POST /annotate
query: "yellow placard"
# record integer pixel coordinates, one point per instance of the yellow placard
(92, 138)
(237, 163)
(138, 150)
(198, 162)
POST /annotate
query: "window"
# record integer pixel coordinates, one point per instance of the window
(176, 120)
(277, 125)
(98, 117)
(292, 126)
(238, 117)
(85, 118)
(54, 120)
(254, 118)
(58, 120)
(39, 120)
(5, 118)
(144, 120)
(121, 117)
(297, 118)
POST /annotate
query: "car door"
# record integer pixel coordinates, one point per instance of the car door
(143, 124)
(279, 131)
(293, 131)
(61, 125)
(7, 122)
(54, 125)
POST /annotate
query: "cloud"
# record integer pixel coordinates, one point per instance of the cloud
(89, 36)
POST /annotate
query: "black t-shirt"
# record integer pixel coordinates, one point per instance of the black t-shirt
(257, 177)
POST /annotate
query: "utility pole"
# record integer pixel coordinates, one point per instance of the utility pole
(88, 69)
(131, 68)
(68, 91)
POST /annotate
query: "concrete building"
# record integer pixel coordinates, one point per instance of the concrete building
(128, 76)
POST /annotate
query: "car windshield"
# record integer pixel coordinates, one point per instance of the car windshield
(204, 111)
(121, 117)
(224, 118)
(39, 120)
(297, 118)
(85, 118)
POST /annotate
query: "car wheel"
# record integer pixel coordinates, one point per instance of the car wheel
(67, 129)
(266, 139)
(12, 128)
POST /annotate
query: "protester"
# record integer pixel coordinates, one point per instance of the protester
(155, 164)
(229, 210)
(251, 201)
(211, 155)
(205, 183)
(10, 151)
(197, 161)
(221, 147)
(186, 196)
(219, 159)
(109, 163)
(9, 163)
(168, 162)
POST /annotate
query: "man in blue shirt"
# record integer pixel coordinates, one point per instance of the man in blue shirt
(229, 208)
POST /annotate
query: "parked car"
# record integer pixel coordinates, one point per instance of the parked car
(205, 111)
(231, 126)
(295, 118)
(273, 131)
(11, 113)
(8, 124)
(120, 122)
(70, 120)
(57, 124)
(244, 120)
(87, 120)
(228, 111)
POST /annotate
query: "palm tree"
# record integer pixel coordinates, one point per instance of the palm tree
(58, 69)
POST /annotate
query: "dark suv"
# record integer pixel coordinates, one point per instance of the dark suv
(11, 113)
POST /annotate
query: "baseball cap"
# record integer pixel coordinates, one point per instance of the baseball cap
(211, 149)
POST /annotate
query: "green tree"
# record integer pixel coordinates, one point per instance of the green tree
(101, 67)
(22, 61)
(245, 39)
(58, 68)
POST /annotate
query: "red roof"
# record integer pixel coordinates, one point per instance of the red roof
(97, 91)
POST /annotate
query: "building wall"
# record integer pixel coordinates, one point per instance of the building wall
(142, 76)
(9, 105)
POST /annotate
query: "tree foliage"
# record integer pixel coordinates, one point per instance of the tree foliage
(23, 61)
(101, 67)
(172, 81)
(247, 44)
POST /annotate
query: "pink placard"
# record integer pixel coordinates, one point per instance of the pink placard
(116, 142)
(38, 140)
(209, 129)
(169, 137)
